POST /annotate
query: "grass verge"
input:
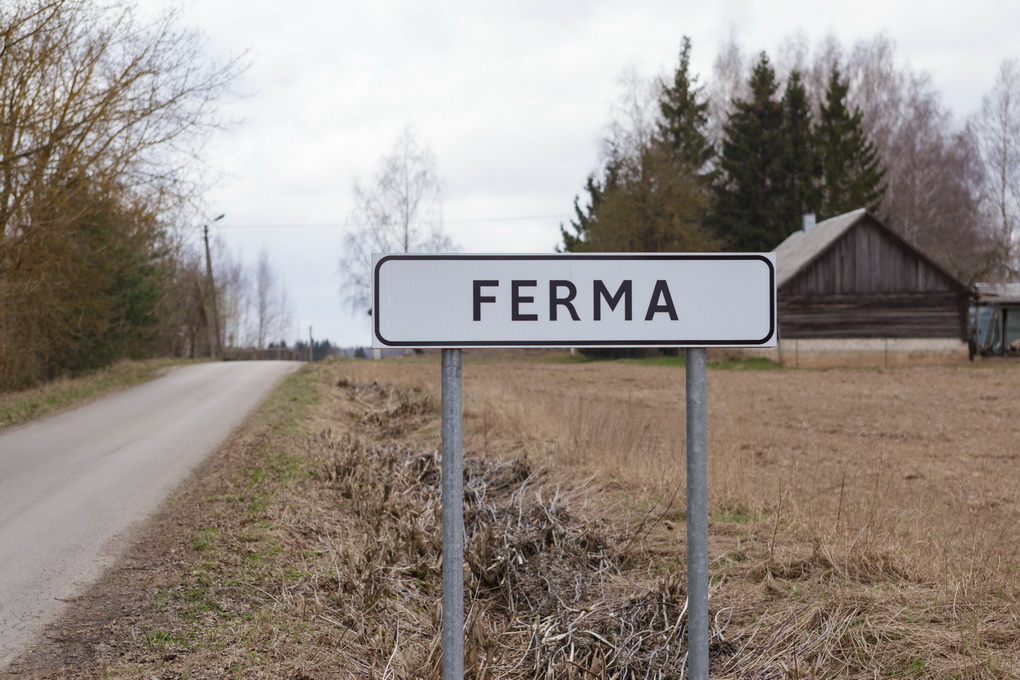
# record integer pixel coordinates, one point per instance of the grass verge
(36, 402)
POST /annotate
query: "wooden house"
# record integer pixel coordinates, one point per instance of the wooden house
(852, 292)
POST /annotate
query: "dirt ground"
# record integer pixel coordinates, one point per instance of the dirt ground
(864, 523)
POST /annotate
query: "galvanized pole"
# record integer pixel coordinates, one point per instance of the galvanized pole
(453, 518)
(697, 515)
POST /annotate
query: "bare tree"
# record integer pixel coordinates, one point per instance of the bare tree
(933, 169)
(272, 316)
(283, 320)
(634, 116)
(253, 304)
(792, 54)
(89, 85)
(998, 132)
(103, 117)
(727, 85)
(933, 172)
(182, 321)
(233, 291)
(400, 211)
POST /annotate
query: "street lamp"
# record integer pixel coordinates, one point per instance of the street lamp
(214, 342)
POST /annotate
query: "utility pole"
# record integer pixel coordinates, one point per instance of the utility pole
(214, 345)
(311, 346)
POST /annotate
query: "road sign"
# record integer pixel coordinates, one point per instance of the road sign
(691, 300)
(589, 300)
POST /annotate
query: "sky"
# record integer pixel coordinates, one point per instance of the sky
(513, 98)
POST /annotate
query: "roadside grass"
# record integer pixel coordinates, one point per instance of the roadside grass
(37, 402)
(221, 611)
(861, 526)
(323, 558)
(678, 360)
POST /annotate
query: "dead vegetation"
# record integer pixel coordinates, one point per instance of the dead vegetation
(547, 591)
(863, 524)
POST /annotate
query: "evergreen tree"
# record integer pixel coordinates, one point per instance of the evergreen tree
(653, 195)
(684, 115)
(852, 176)
(800, 168)
(749, 192)
(642, 204)
(584, 222)
(96, 275)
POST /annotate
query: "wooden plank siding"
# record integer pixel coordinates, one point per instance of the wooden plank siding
(872, 316)
(868, 261)
(869, 284)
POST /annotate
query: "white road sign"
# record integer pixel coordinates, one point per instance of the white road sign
(589, 300)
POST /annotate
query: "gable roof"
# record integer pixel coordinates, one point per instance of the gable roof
(802, 248)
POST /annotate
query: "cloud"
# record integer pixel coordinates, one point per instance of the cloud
(513, 98)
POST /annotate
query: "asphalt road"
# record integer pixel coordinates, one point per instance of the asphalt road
(73, 485)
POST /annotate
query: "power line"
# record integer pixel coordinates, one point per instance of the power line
(339, 225)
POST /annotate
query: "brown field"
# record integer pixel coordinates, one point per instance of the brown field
(882, 502)
(864, 523)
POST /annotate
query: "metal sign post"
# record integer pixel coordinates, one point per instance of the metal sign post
(689, 300)
(697, 515)
(452, 480)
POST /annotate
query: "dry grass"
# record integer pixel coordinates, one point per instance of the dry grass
(864, 524)
(37, 402)
(870, 515)
(901, 472)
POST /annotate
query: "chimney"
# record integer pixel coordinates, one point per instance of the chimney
(808, 221)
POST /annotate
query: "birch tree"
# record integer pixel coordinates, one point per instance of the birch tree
(398, 211)
(998, 130)
(272, 312)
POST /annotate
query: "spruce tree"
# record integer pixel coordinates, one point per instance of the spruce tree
(641, 204)
(852, 176)
(800, 168)
(749, 191)
(684, 115)
(653, 196)
(585, 221)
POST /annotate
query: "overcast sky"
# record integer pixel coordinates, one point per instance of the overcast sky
(512, 98)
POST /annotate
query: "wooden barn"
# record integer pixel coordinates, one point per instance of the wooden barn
(852, 292)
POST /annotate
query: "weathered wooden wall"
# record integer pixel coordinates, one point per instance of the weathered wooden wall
(872, 316)
(868, 284)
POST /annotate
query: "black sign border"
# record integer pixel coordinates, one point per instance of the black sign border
(578, 343)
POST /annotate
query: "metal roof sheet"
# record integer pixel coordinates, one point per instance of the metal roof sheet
(802, 247)
(998, 293)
